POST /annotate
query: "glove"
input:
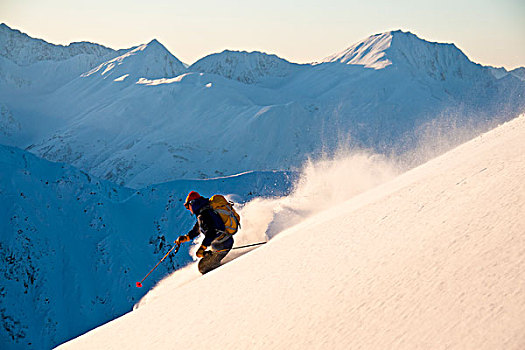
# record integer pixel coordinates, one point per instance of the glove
(182, 239)
(201, 252)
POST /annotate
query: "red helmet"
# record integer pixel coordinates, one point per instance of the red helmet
(191, 196)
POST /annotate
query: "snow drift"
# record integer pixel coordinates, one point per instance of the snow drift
(431, 259)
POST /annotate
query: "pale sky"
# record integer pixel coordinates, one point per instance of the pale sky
(488, 31)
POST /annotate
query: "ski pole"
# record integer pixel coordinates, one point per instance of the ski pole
(244, 246)
(139, 284)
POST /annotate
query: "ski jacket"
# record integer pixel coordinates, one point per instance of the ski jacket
(209, 223)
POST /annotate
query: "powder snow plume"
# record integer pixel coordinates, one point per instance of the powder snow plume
(323, 184)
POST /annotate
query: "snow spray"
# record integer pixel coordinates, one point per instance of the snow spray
(323, 184)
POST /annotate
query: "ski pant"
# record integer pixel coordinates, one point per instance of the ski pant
(213, 260)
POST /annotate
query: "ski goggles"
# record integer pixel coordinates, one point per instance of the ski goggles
(187, 204)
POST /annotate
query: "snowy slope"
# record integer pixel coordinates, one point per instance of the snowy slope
(149, 61)
(432, 259)
(73, 246)
(126, 123)
(369, 52)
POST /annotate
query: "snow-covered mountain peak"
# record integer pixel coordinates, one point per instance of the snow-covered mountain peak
(243, 66)
(154, 46)
(155, 42)
(398, 48)
(150, 61)
(24, 50)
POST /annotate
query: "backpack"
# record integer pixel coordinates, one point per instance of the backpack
(228, 215)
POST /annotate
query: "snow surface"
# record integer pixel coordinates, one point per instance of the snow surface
(434, 258)
(369, 53)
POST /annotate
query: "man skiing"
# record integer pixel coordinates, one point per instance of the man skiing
(210, 224)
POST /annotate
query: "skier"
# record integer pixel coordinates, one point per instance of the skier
(210, 224)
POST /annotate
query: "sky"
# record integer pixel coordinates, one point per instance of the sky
(489, 32)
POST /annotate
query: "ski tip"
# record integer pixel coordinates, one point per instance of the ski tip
(139, 285)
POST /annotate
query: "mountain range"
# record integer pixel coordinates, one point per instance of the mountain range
(141, 117)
